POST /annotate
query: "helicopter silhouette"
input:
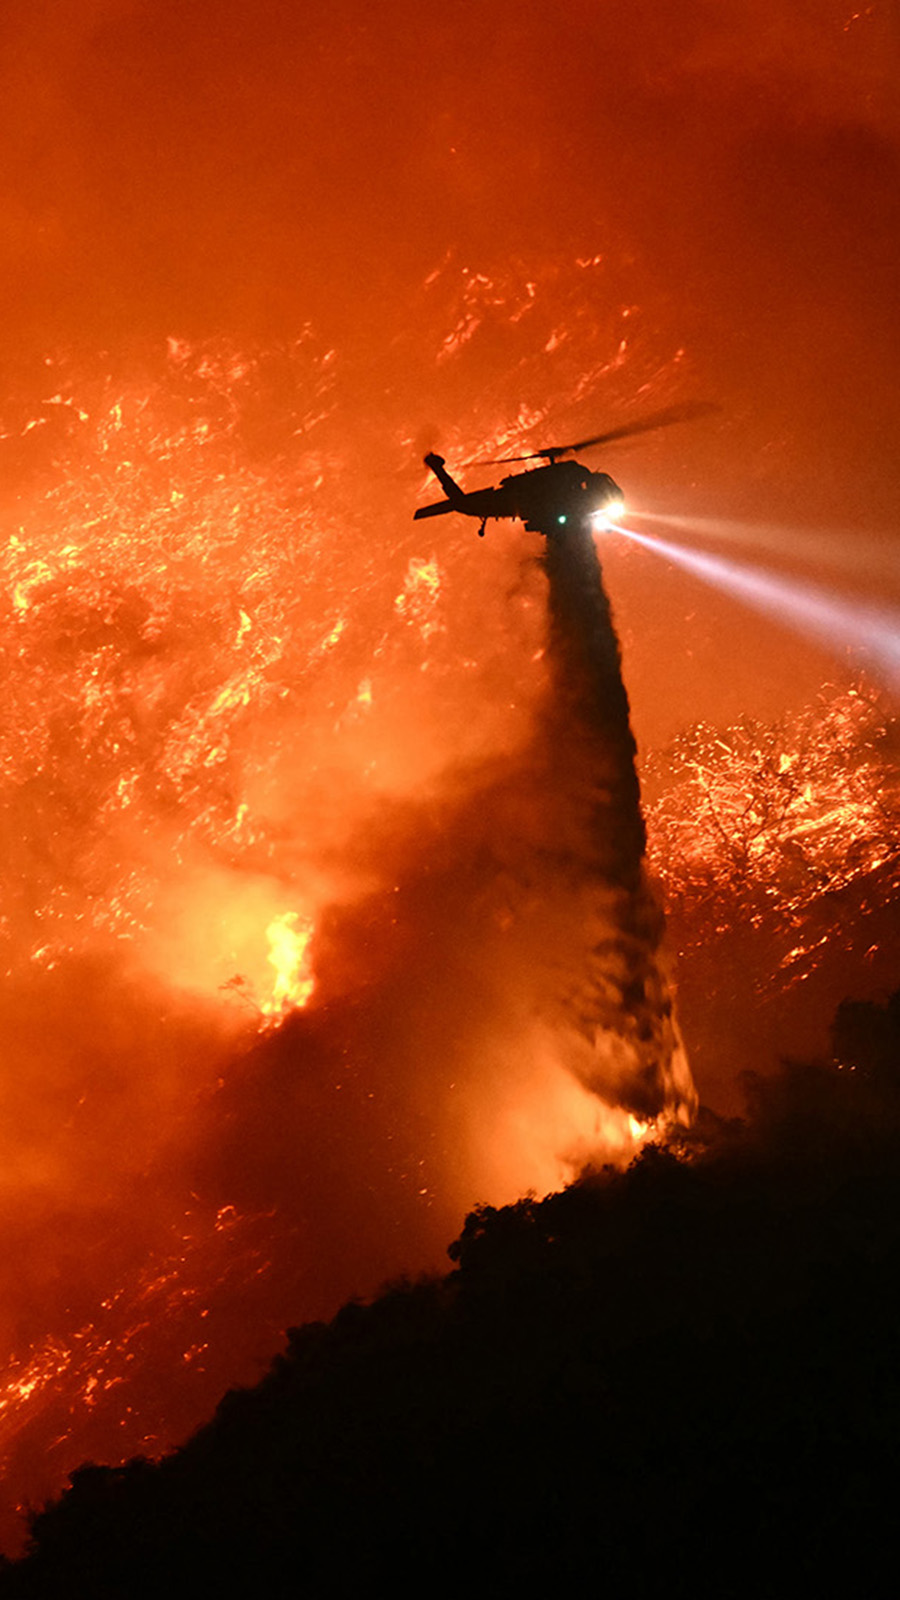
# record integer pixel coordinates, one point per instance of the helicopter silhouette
(550, 498)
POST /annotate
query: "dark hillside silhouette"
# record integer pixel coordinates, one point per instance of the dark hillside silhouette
(681, 1380)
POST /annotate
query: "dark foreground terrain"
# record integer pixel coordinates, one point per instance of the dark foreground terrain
(683, 1380)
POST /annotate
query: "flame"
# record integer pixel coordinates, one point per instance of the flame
(417, 601)
(289, 939)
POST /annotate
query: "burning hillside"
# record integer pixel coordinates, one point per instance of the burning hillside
(289, 922)
(776, 816)
(777, 847)
(299, 843)
(297, 895)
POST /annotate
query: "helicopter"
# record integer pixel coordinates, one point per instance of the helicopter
(550, 498)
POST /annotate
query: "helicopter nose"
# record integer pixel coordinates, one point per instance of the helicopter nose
(607, 515)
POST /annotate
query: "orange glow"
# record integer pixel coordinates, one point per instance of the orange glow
(244, 713)
(547, 1131)
(261, 260)
(418, 599)
(289, 938)
(229, 729)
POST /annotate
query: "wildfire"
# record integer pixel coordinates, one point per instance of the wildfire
(417, 601)
(289, 938)
(778, 811)
(773, 826)
(237, 714)
(214, 695)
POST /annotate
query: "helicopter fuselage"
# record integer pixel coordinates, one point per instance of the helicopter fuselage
(546, 499)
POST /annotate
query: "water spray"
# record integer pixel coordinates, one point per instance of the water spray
(617, 997)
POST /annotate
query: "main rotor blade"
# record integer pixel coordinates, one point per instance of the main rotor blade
(688, 412)
(501, 461)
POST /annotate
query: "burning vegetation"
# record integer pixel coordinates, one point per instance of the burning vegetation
(296, 891)
(308, 957)
(775, 817)
(293, 940)
(776, 844)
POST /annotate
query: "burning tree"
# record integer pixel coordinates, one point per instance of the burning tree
(777, 844)
(769, 817)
